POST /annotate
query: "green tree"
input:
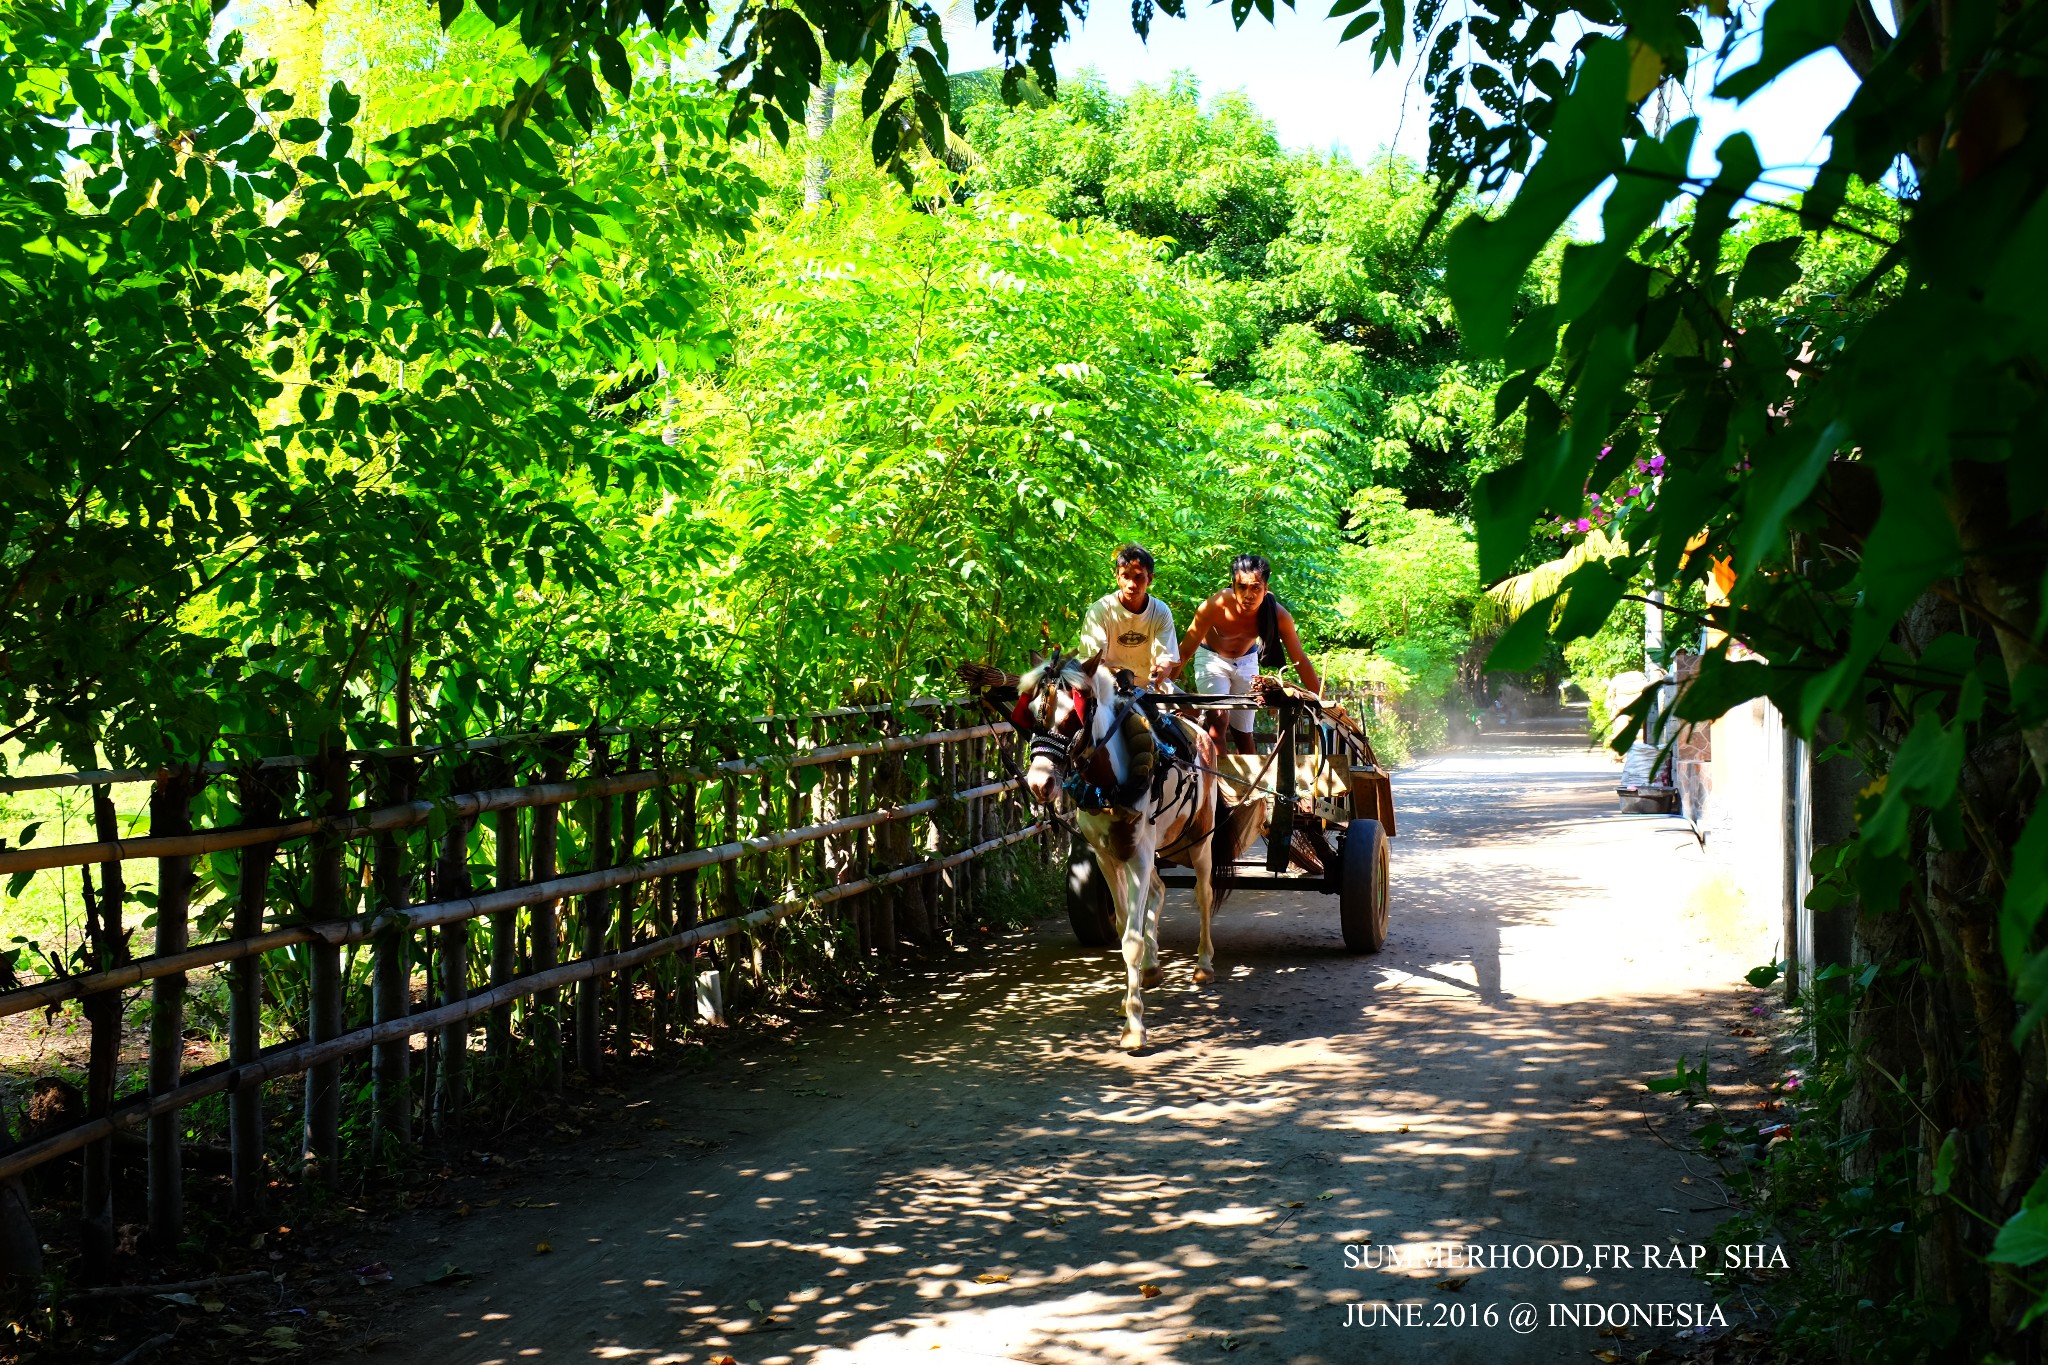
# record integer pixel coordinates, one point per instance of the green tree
(1866, 461)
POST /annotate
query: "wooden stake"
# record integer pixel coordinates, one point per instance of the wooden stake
(452, 940)
(546, 928)
(597, 914)
(320, 1152)
(245, 1000)
(622, 935)
(103, 1015)
(170, 812)
(504, 933)
(391, 982)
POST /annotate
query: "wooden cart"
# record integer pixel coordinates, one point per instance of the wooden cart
(1325, 818)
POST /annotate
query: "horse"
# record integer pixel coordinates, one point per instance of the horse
(1087, 738)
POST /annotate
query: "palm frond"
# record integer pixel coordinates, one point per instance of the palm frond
(1509, 598)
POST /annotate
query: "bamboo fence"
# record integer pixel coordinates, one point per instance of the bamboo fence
(877, 818)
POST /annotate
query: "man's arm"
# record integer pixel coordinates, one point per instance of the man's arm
(1165, 654)
(1198, 631)
(1292, 640)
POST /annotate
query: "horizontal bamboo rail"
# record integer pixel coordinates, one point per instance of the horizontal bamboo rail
(615, 849)
(357, 824)
(44, 993)
(295, 1058)
(278, 762)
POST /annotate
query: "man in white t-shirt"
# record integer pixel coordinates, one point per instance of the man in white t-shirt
(1130, 628)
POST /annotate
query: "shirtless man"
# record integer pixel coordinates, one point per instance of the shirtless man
(1224, 639)
(1130, 628)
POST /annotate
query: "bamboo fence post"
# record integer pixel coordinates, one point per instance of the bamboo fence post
(259, 806)
(546, 1015)
(103, 1015)
(452, 882)
(862, 906)
(504, 927)
(320, 1152)
(622, 937)
(662, 973)
(391, 948)
(794, 803)
(596, 921)
(170, 812)
(891, 843)
(687, 887)
(391, 978)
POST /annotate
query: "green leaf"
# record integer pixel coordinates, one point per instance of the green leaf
(2026, 890)
(1770, 269)
(876, 88)
(1488, 258)
(300, 130)
(932, 77)
(612, 62)
(2023, 1241)
(1793, 31)
(1764, 976)
(1524, 643)
(1787, 471)
(1945, 1164)
(341, 105)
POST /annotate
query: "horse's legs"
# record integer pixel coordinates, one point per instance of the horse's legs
(1136, 881)
(1205, 903)
(1155, 910)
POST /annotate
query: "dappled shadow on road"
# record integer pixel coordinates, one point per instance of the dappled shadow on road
(981, 1177)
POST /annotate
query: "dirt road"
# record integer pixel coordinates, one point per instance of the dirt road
(981, 1176)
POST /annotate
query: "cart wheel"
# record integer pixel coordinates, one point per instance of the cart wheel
(1362, 886)
(1089, 907)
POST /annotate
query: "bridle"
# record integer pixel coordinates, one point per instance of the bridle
(1033, 717)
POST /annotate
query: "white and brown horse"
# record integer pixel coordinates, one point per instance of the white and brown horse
(1081, 739)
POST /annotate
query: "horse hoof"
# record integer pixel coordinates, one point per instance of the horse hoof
(1151, 977)
(1133, 1040)
(1203, 976)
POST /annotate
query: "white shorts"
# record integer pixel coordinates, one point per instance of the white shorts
(1215, 674)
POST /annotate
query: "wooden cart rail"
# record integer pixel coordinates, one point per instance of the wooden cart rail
(840, 812)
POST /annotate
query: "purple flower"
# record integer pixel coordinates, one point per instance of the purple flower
(1657, 462)
(1636, 492)
(1596, 499)
(1585, 525)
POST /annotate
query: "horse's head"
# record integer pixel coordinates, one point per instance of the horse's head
(1060, 703)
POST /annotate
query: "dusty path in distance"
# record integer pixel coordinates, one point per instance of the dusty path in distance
(980, 1176)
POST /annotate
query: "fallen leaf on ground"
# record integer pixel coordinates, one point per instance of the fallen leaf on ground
(376, 1272)
(1454, 1285)
(542, 1248)
(991, 1279)
(1404, 1127)
(1150, 1291)
(722, 1360)
(1229, 1343)
(1331, 1195)
(1609, 1357)
(1618, 1333)
(1296, 1204)
(450, 1271)
(462, 1210)
(234, 1329)
(1295, 1265)
(182, 1300)
(755, 1304)
(212, 1305)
